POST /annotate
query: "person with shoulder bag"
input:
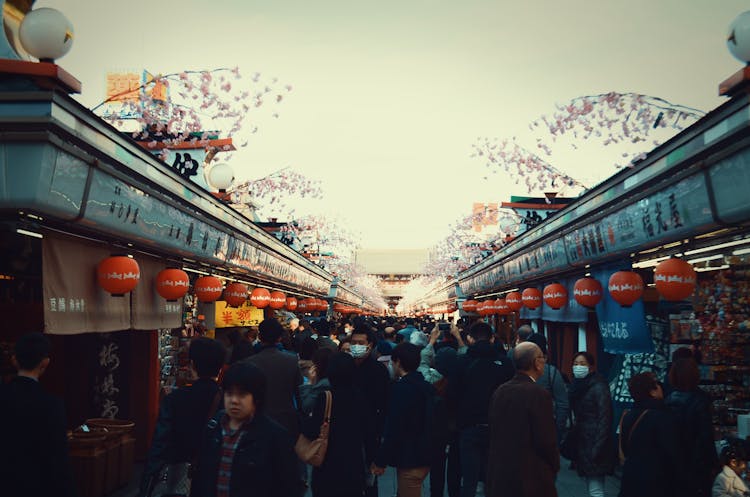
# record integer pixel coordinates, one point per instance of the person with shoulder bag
(653, 465)
(341, 417)
(182, 418)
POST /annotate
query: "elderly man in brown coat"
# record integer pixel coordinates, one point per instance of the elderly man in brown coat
(523, 456)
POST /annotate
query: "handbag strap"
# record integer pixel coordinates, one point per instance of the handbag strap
(635, 425)
(329, 406)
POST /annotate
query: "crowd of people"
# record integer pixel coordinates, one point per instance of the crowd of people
(444, 401)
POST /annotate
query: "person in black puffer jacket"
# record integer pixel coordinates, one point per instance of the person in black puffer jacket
(692, 409)
(648, 438)
(592, 406)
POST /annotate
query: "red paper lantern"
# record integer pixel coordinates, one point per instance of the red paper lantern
(260, 298)
(625, 287)
(278, 300)
(235, 294)
(501, 307)
(588, 292)
(322, 305)
(514, 301)
(172, 284)
(470, 305)
(555, 295)
(208, 288)
(302, 306)
(674, 279)
(482, 308)
(291, 304)
(118, 274)
(531, 298)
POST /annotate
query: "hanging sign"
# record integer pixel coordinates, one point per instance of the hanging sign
(623, 329)
(244, 315)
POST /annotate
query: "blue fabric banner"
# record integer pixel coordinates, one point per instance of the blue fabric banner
(623, 329)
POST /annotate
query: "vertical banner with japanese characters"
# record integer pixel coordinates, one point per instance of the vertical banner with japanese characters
(623, 329)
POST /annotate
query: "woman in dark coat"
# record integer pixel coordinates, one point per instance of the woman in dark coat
(692, 409)
(591, 403)
(648, 439)
(342, 473)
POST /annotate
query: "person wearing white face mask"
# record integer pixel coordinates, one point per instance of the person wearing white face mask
(589, 442)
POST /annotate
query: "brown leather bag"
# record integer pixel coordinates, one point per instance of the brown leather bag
(313, 452)
(630, 435)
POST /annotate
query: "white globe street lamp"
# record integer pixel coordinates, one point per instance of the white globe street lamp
(46, 34)
(738, 39)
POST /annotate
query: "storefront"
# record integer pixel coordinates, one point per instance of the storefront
(687, 198)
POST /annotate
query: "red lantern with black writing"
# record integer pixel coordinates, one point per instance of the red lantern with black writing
(291, 303)
(514, 301)
(588, 292)
(555, 296)
(208, 288)
(531, 298)
(235, 294)
(625, 287)
(674, 279)
(118, 275)
(470, 305)
(501, 307)
(172, 284)
(260, 298)
(277, 301)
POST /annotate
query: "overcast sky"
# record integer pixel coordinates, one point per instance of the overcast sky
(389, 95)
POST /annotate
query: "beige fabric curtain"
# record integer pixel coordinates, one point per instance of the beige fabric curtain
(150, 311)
(73, 301)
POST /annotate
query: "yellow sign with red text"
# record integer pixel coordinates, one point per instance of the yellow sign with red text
(245, 315)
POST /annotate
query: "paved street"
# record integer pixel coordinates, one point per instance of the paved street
(569, 484)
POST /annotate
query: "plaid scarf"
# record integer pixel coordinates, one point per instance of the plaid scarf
(230, 439)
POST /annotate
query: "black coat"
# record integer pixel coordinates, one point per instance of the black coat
(479, 372)
(523, 457)
(34, 458)
(350, 443)
(592, 406)
(264, 464)
(653, 465)
(695, 433)
(372, 379)
(407, 435)
(183, 416)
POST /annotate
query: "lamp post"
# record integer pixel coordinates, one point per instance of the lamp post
(46, 34)
(221, 176)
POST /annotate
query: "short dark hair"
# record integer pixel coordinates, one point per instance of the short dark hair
(270, 331)
(408, 355)
(208, 356)
(305, 324)
(524, 331)
(341, 369)
(480, 331)
(409, 321)
(684, 375)
(361, 329)
(641, 385)
(322, 327)
(682, 353)
(249, 378)
(587, 355)
(734, 450)
(540, 340)
(320, 359)
(307, 348)
(31, 349)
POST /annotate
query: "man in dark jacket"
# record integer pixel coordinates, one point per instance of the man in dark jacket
(183, 415)
(372, 379)
(480, 371)
(523, 456)
(34, 456)
(408, 427)
(283, 375)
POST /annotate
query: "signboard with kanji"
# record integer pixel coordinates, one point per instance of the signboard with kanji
(245, 315)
